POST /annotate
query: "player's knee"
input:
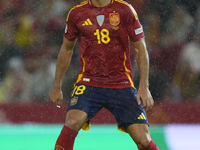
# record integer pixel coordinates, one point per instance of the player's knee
(144, 142)
(73, 124)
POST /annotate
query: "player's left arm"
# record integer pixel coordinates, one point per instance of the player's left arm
(143, 95)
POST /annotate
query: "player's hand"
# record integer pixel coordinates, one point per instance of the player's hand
(56, 97)
(144, 97)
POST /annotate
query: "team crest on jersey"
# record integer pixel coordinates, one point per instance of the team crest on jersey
(114, 18)
(58, 147)
(73, 101)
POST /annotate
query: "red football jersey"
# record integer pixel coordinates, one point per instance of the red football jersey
(103, 34)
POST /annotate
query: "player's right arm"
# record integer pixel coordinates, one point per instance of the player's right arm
(64, 57)
(63, 62)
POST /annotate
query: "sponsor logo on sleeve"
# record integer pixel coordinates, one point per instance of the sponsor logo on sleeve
(138, 31)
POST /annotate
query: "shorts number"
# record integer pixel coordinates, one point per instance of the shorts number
(78, 90)
(102, 36)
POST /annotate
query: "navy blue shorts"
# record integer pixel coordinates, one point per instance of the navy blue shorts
(122, 103)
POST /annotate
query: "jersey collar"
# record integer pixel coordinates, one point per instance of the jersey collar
(89, 1)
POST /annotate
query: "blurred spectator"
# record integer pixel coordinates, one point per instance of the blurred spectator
(167, 57)
(185, 85)
(180, 23)
(13, 85)
(24, 35)
(151, 24)
(187, 77)
(197, 18)
(42, 76)
(26, 28)
(164, 58)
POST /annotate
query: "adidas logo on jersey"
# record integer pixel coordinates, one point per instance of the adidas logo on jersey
(142, 116)
(87, 22)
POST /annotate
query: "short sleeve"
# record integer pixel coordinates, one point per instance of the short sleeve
(133, 26)
(71, 31)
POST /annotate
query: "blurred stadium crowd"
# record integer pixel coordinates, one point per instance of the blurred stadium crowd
(31, 36)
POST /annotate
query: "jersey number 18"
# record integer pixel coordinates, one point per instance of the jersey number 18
(102, 36)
